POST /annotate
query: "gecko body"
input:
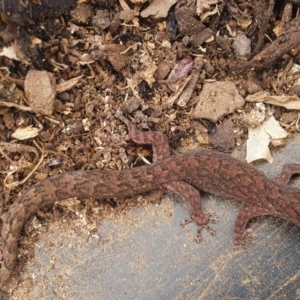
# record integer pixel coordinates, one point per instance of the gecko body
(185, 174)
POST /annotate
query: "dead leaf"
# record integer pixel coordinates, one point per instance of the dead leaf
(15, 51)
(25, 133)
(179, 73)
(9, 52)
(149, 69)
(158, 9)
(287, 101)
(10, 147)
(260, 137)
(67, 85)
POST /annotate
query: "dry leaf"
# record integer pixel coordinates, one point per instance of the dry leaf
(289, 102)
(67, 85)
(158, 9)
(25, 133)
(9, 52)
(260, 137)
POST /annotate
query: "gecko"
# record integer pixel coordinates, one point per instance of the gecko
(185, 174)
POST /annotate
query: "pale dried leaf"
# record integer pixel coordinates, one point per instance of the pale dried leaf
(9, 52)
(25, 133)
(10, 147)
(158, 9)
(67, 85)
(287, 101)
(149, 69)
(204, 5)
(260, 137)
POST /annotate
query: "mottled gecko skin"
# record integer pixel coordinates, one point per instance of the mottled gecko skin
(185, 174)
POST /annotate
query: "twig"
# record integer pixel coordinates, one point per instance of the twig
(16, 183)
(11, 104)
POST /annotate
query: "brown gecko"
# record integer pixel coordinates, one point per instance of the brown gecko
(185, 174)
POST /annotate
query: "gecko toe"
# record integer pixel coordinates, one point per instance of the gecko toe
(184, 222)
(198, 237)
(202, 220)
(245, 240)
(212, 218)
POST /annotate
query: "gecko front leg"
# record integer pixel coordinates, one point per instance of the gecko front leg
(197, 215)
(287, 172)
(157, 139)
(161, 150)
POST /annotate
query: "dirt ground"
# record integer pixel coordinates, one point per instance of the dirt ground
(67, 67)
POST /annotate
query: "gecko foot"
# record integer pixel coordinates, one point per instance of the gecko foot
(198, 237)
(184, 222)
(202, 220)
(244, 241)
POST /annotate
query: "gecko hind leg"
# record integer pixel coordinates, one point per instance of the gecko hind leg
(201, 218)
(243, 236)
(287, 172)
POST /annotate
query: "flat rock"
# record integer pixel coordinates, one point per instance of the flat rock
(40, 91)
(223, 137)
(187, 24)
(216, 100)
